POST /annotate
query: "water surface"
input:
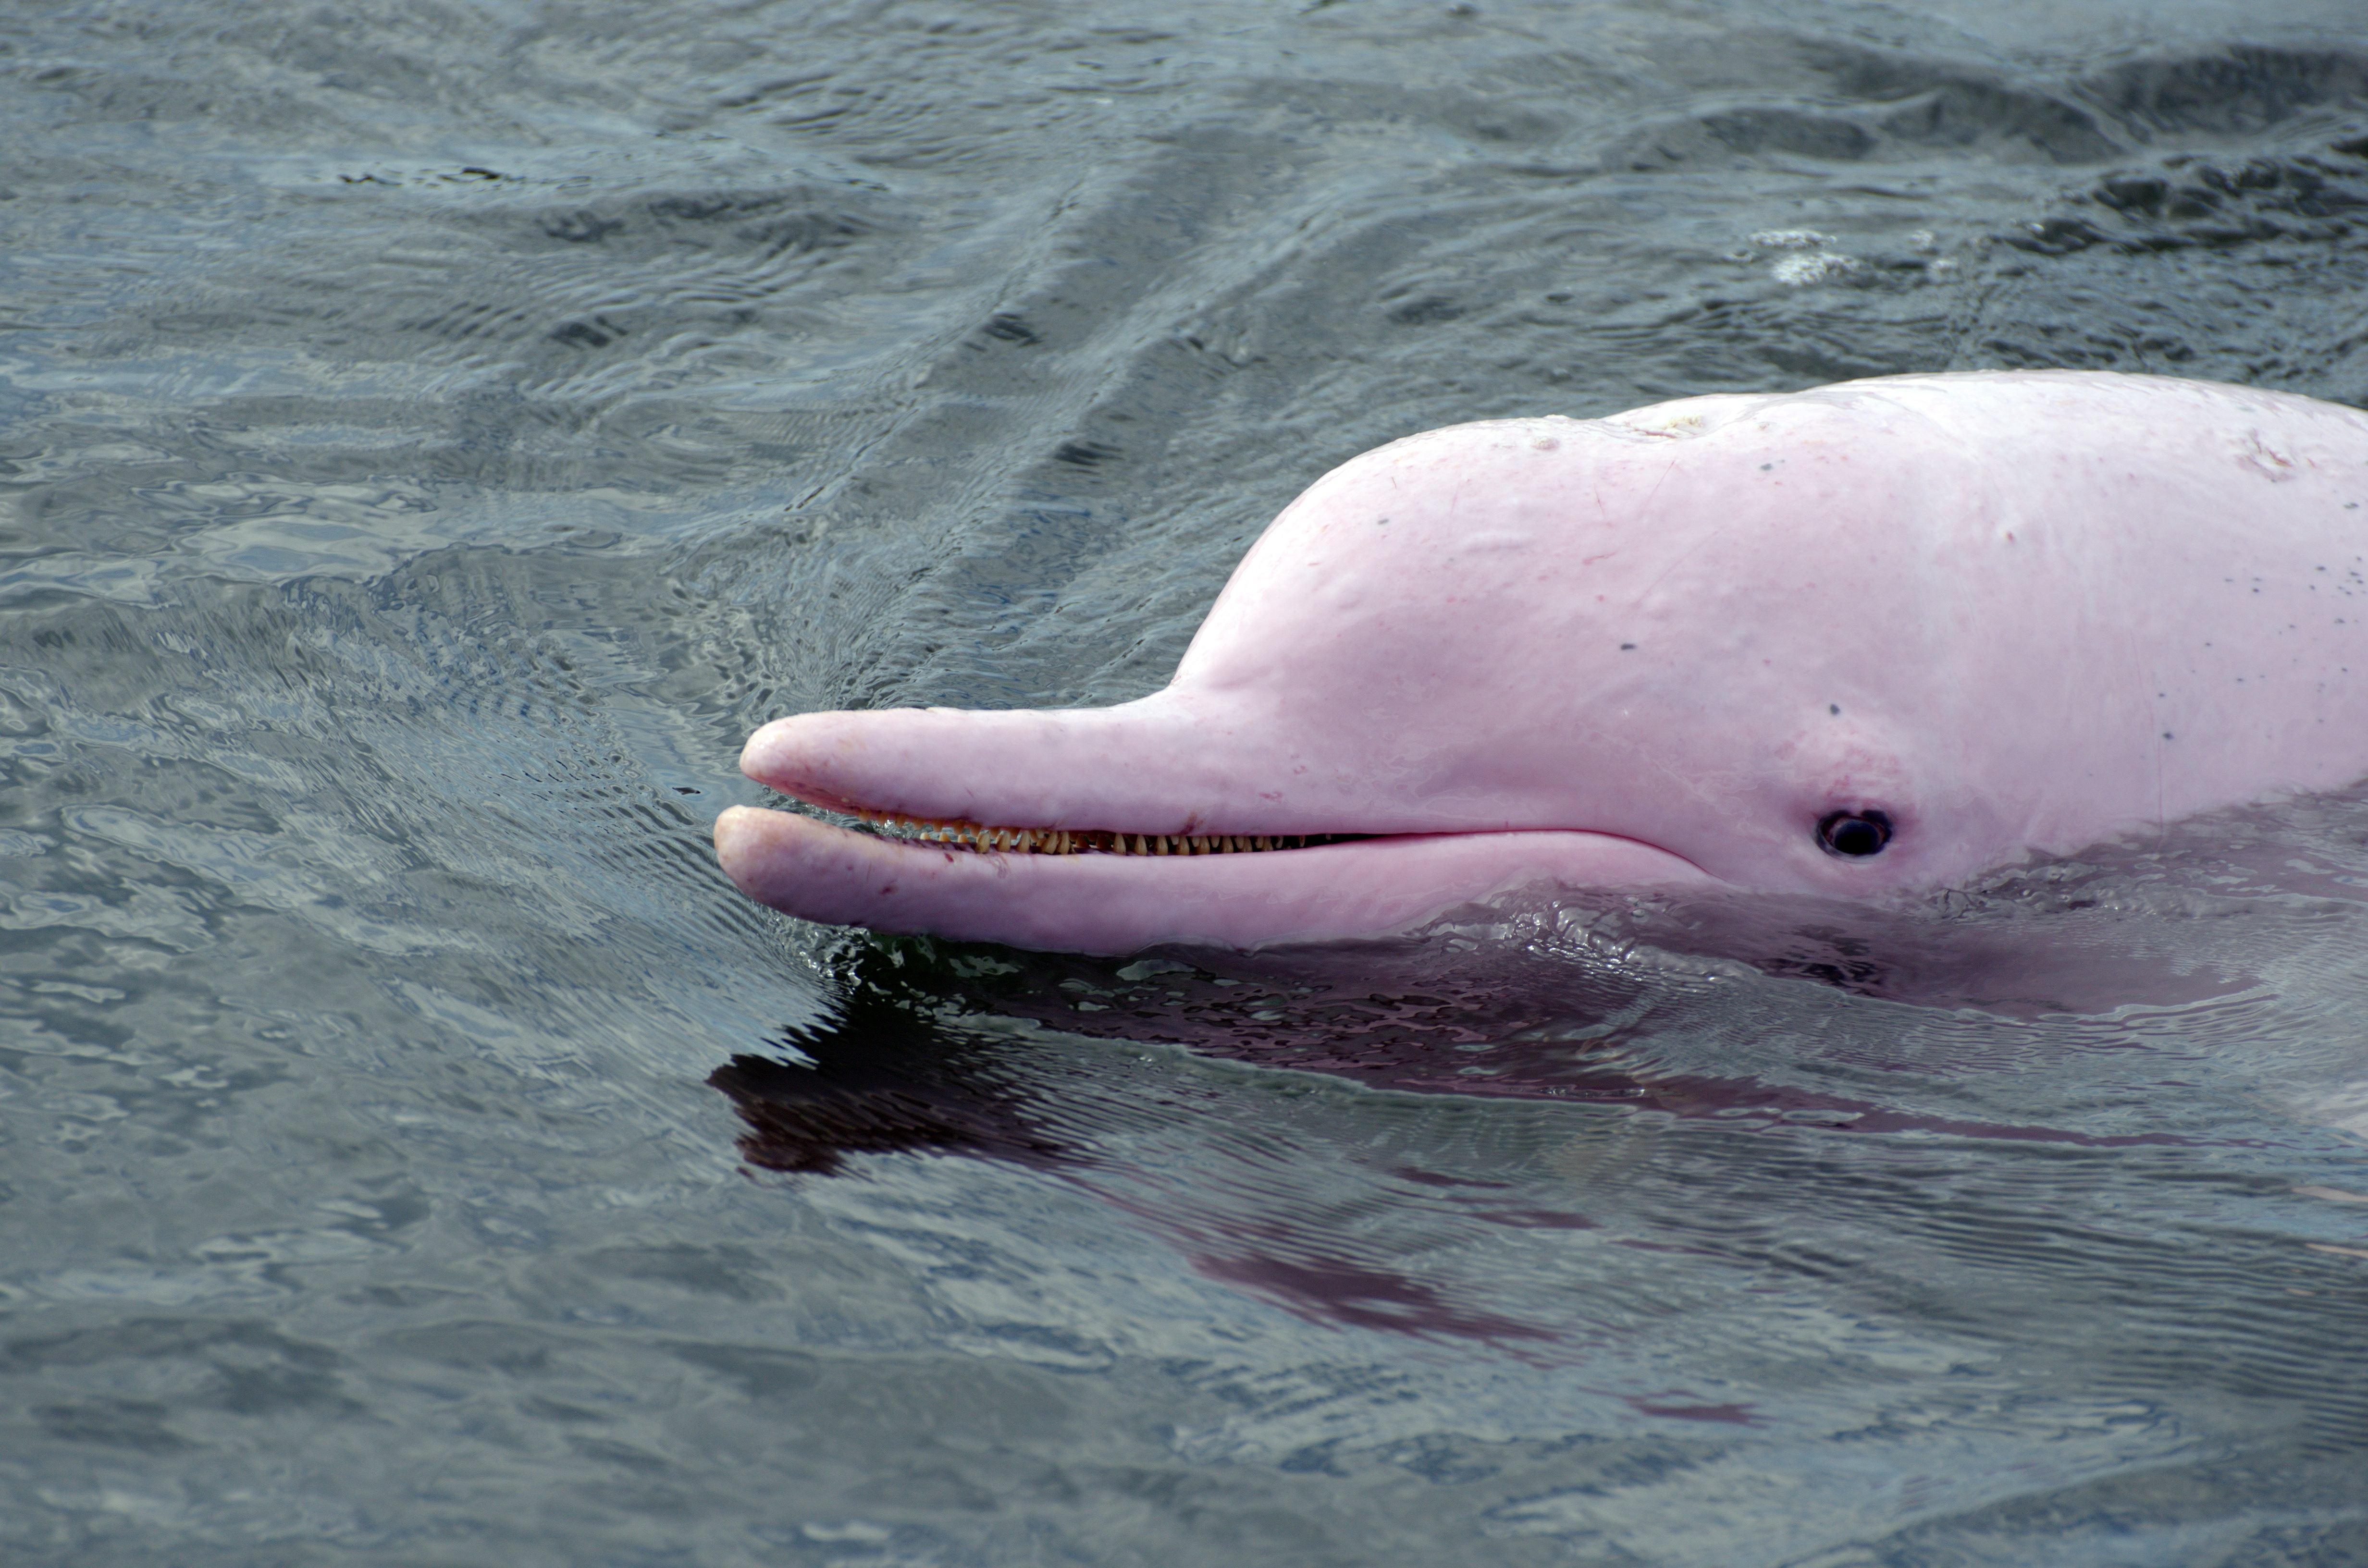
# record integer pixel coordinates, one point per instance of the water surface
(436, 434)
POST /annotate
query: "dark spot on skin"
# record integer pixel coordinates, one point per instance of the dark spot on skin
(1835, 709)
(2165, 735)
(1627, 647)
(1765, 467)
(1379, 522)
(1853, 834)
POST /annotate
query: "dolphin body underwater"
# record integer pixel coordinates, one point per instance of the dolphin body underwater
(1861, 642)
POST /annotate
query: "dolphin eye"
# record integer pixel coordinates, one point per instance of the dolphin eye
(1854, 834)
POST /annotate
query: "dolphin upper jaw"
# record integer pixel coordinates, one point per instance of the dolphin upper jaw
(1173, 763)
(1149, 762)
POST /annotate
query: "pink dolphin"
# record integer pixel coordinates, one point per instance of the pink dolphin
(1871, 638)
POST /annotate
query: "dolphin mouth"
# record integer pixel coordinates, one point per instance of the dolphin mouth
(1022, 828)
(976, 883)
(982, 839)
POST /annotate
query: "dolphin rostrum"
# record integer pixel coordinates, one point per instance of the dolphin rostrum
(1867, 639)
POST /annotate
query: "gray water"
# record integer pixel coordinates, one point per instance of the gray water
(435, 433)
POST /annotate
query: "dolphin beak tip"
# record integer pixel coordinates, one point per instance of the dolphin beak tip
(755, 846)
(736, 840)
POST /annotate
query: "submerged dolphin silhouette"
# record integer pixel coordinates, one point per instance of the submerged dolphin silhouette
(1874, 637)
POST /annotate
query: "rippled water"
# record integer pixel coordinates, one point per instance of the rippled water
(435, 433)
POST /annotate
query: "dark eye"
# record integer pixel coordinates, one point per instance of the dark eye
(1854, 834)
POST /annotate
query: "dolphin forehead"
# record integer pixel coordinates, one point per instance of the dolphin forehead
(1468, 539)
(1541, 610)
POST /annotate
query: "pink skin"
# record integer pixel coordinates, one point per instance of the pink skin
(2013, 611)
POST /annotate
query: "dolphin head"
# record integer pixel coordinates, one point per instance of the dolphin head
(1825, 642)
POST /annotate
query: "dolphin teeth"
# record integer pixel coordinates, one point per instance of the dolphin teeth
(986, 839)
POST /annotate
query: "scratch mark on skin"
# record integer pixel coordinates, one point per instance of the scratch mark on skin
(1690, 550)
(1658, 483)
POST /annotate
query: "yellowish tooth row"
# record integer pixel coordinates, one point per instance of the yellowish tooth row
(971, 835)
(1065, 841)
(1190, 844)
